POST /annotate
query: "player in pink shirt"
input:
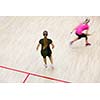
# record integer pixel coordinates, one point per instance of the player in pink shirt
(79, 32)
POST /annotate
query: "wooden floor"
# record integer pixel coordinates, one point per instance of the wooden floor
(19, 37)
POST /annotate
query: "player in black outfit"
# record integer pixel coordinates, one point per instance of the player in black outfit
(45, 48)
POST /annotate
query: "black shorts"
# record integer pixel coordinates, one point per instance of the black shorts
(46, 52)
(81, 36)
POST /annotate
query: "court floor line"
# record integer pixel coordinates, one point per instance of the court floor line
(33, 74)
(26, 78)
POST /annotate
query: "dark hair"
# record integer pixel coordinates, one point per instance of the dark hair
(45, 33)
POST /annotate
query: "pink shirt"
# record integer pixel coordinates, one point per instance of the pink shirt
(80, 28)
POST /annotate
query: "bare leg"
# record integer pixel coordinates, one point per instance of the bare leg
(51, 60)
(74, 41)
(45, 61)
(87, 43)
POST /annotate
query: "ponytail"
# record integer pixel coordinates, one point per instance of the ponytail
(45, 42)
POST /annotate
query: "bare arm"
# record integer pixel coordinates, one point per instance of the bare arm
(72, 30)
(52, 45)
(87, 31)
(38, 46)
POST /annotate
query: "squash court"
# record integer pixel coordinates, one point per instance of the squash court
(21, 63)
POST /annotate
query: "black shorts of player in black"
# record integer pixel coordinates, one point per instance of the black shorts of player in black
(47, 51)
(82, 36)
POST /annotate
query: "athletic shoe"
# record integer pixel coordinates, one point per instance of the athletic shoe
(52, 66)
(88, 44)
(71, 42)
(45, 65)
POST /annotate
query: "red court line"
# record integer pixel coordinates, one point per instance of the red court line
(50, 78)
(42, 76)
(14, 70)
(26, 78)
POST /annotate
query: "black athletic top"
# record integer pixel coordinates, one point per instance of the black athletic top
(42, 43)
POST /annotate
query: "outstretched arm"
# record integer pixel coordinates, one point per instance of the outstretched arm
(38, 46)
(72, 30)
(87, 32)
